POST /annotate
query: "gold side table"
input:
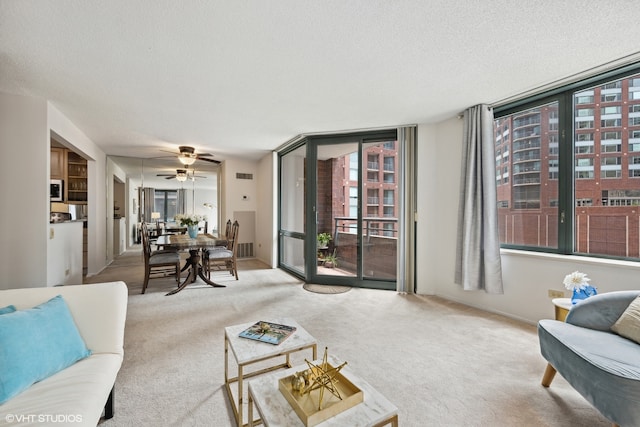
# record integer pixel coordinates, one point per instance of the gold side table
(562, 307)
(248, 352)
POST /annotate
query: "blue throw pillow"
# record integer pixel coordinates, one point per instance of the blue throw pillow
(35, 344)
(8, 309)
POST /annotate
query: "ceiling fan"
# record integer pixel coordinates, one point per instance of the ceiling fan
(187, 155)
(182, 175)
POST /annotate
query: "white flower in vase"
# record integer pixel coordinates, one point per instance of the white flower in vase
(576, 280)
(189, 219)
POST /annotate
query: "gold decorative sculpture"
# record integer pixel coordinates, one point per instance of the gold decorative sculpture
(304, 390)
(322, 376)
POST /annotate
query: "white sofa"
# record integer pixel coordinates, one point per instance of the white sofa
(78, 394)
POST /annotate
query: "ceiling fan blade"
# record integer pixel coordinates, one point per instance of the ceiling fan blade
(217, 162)
(170, 177)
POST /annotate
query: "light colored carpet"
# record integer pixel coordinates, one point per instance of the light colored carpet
(440, 363)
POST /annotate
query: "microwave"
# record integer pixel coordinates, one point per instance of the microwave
(56, 190)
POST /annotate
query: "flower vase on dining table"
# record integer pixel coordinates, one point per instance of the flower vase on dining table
(192, 230)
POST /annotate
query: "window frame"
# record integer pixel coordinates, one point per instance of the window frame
(567, 155)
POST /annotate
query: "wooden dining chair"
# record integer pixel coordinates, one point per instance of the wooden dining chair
(224, 258)
(158, 264)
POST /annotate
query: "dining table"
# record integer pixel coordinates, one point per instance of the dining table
(182, 242)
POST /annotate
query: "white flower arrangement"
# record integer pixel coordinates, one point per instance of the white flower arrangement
(189, 219)
(576, 280)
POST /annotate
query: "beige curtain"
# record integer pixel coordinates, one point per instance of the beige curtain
(181, 204)
(478, 264)
(405, 282)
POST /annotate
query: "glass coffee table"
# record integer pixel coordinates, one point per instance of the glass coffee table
(248, 352)
(274, 410)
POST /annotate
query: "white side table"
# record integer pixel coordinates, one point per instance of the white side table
(247, 352)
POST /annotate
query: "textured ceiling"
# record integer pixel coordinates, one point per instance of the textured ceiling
(239, 78)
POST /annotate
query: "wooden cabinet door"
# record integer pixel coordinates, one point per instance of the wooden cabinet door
(57, 163)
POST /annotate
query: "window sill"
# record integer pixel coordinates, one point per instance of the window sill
(585, 260)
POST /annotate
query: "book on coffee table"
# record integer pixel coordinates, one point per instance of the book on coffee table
(272, 333)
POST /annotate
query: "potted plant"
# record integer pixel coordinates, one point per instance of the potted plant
(323, 240)
(331, 260)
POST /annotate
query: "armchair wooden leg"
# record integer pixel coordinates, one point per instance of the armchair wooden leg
(549, 373)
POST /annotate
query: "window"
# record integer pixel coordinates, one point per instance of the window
(611, 97)
(610, 161)
(165, 202)
(611, 135)
(600, 204)
(584, 149)
(585, 98)
(389, 164)
(611, 148)
(353, 167)
(372, 162)
(608, 173)
(353, 202)
(609, 123)
(611, 110)
(389, 197)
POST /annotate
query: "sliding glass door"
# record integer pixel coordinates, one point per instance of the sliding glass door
(293, 165)
(344, 189)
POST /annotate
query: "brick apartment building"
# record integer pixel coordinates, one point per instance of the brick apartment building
(338, 180)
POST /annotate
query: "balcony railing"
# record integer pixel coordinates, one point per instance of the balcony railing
(347, 224)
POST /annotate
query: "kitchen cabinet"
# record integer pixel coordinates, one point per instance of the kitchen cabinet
(58, 162)
(76, 187)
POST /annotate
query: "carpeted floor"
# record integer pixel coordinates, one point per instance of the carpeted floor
(440, 363)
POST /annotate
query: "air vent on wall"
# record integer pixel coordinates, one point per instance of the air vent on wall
(245, 250)
(244, 175)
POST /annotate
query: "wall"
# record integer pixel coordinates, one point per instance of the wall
(236, 189)
(527, 276)
(266, 231)
(113, 170)
(24, 192)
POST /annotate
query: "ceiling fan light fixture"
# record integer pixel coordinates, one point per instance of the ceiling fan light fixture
(181, 175)
(187, 155)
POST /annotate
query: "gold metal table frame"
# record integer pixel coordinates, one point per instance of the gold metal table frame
(259, 352)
